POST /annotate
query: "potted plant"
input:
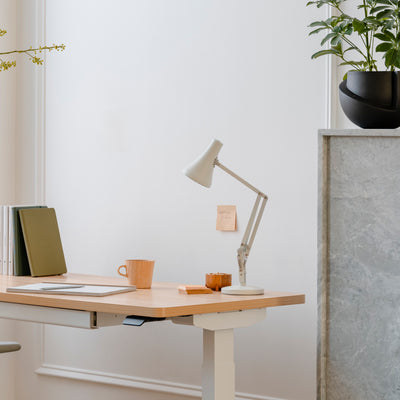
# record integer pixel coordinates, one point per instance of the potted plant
(370, 98)
(31, 53)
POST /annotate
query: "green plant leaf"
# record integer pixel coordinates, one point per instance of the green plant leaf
(325, 52)
(349, 49)
(358, 26)
(389, 57)
(395, 59)
(349, 31)
(380, 25)
(385, 37)
(333, 22)
(383, 2)
(377, 9)
(385, 14)
(390, 34)
(372, 22)
(382, 47)
(328, 37)
(360, 63)
(316, 31)
(388, 25)
(318, 23)
(338, 48)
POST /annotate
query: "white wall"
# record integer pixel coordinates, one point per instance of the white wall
(29, 129)
(8, 116)
(7, 105)
(141, 89)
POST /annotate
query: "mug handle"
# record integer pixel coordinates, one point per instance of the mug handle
(123, 274)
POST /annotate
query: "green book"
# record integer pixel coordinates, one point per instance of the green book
(42, 241)
(21, 263)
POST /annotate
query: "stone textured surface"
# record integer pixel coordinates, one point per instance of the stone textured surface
(362, 340)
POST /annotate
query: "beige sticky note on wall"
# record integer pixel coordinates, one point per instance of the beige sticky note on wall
(226, 218)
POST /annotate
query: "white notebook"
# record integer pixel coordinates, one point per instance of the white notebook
(71, 289)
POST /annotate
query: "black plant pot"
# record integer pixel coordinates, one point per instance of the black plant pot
(371, 99)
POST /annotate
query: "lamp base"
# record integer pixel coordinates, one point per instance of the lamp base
(242, 290)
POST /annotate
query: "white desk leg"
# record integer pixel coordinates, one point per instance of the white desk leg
(218, 365)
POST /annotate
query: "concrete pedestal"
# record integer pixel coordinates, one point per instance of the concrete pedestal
(359, 265)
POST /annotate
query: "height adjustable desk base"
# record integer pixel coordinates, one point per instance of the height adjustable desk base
(218, 373)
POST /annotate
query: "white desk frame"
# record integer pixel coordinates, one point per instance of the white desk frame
(218, 372)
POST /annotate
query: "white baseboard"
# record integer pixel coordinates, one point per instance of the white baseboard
(154, 385)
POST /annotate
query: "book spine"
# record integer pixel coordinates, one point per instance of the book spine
(20, 259)
(5, 239)
(1, 239)
(10, 242)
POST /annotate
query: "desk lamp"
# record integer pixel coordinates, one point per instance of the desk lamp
(201, 171)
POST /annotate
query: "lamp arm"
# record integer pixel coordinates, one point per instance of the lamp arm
(251, 230)
(228, 171)
(246, 235)
(260, 214)
(245, 247)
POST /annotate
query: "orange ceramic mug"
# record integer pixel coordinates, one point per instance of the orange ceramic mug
(138, 272)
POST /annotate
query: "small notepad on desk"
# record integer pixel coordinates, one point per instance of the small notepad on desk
(71, 289)
(194, 289)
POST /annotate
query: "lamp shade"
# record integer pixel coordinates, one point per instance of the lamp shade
(201, 170)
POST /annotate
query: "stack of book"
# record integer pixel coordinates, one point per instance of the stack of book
(30, 242)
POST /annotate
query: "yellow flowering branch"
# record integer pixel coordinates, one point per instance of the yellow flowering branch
(31, 53)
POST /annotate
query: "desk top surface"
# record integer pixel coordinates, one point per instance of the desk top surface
(162, 300)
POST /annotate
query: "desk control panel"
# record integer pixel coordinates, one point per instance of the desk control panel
(135, 320)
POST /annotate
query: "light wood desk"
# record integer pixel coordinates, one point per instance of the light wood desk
(216, 314)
